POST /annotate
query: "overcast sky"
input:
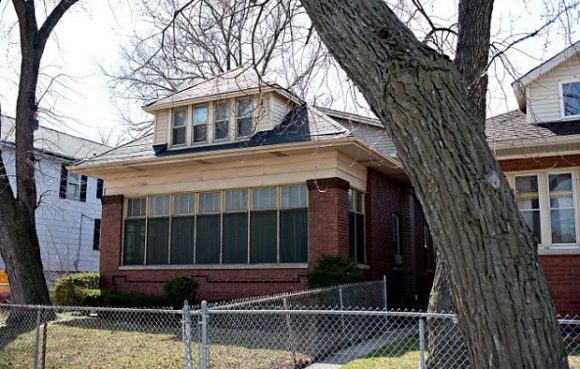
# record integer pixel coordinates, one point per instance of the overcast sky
(90, 37)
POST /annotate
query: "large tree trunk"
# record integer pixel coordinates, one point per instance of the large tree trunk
(471, 56)
(19, 244)
(505, 312)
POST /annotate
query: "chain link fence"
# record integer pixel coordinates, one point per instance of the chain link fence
(245, 336)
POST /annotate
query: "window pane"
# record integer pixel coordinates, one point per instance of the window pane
(244, 107)
(235, 238)
(360, 238)
(73, 191)
(359, 202)
(571, 98)
(136, 207)
(562, 208)
(179, 116)
(294, 196)
(183, 204)
(134, 248)
(221, 130)
(244, 123)
(157, 241)
(209, 202)
(263, 235)
(222, 111)
(245, 127)
(200, 114)
(351, 235)
(532, 219)
(182, 240)
(264, 198)
(178, 136)
(560, 182)
(563, 225)
(159, 205)
(293, 236)
(237, 200)
(207, 239)
(200, 133)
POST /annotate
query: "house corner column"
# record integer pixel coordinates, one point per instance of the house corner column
(327, 218)
(111, 238)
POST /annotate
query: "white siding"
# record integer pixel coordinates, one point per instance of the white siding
(544, 96)
(161, 127)
(280, 107)
(65, 227)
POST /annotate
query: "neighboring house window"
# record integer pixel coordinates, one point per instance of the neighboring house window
(528, 202)
(396, 237)
(356, 226)
(562, 208)
(244, 125)
(571, 98)
(97, 234)
(222, 120)
(179, 128)
(260, 225)
(100, 188)
(72, 185)
(200, 117)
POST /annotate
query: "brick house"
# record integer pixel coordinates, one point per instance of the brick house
(538, 147)
(243, 186)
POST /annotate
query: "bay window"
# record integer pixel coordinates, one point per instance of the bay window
(241, 226)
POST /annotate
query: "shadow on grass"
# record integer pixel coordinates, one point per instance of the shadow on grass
(398, 348)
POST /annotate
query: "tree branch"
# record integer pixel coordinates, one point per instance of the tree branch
(52, 20)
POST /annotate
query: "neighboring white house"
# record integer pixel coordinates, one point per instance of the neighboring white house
(69, 215)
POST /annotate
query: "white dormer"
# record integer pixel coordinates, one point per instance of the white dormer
(551, 92)
(226, 109)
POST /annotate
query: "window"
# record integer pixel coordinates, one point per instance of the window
(396, 237)
(528, 202)
(222, 120)
(562, 208)
(239, 226)
(72, 185)
(178, 128)
(571, 98)
(97, 234)
(244, 125)
(200, 117)
(356, 225)
(100, 188)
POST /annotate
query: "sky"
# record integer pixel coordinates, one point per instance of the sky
(90, 36)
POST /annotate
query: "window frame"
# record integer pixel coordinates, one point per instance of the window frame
(228, 119)
(356, 197)
(398, 249)
(237, 117)
(193, 124)
(184, 127)
(561, 97)
(574, 202)
(79, 183)
(540, 198)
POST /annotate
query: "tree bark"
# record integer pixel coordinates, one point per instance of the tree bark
(504, 309)
(471, 57)
(19, 244)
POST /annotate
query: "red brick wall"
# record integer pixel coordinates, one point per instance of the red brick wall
(327, 218)
(111, 238)
(563, 275)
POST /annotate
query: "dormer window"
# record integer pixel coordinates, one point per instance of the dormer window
(200, 117)
(244, 125)
(178, 128)
(222, 119)
(571, 99)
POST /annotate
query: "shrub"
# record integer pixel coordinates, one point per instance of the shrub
(74, 289)
(333, 270)
(177, 290)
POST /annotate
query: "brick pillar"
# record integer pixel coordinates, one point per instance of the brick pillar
(111, 238)
(327, 218)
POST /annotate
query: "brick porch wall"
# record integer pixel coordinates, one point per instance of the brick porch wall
(563, 275)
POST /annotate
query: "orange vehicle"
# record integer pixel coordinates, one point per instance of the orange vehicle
(4, 287)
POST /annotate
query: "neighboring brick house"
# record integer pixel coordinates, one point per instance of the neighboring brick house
(69, 211)
(538, 147)
(243, 186)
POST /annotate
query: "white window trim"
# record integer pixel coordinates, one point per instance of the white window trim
(561, 96)
(540, 199)
(208, 126)
(575, 198)
(235, 116)
(171, 127)
(78, 182)
(229, 120)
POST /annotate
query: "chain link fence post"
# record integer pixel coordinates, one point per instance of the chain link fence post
(186, 334)
(385, 291)
(422, 342)
(37, 336)
(203, 347)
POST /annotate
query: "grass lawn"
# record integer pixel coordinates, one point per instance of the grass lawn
(404, 354)
(76, 342)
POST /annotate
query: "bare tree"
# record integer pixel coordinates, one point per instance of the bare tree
(19, 244)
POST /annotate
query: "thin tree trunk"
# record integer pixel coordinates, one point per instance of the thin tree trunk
(505, 312)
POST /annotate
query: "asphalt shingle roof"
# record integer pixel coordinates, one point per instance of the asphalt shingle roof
(53, 142)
